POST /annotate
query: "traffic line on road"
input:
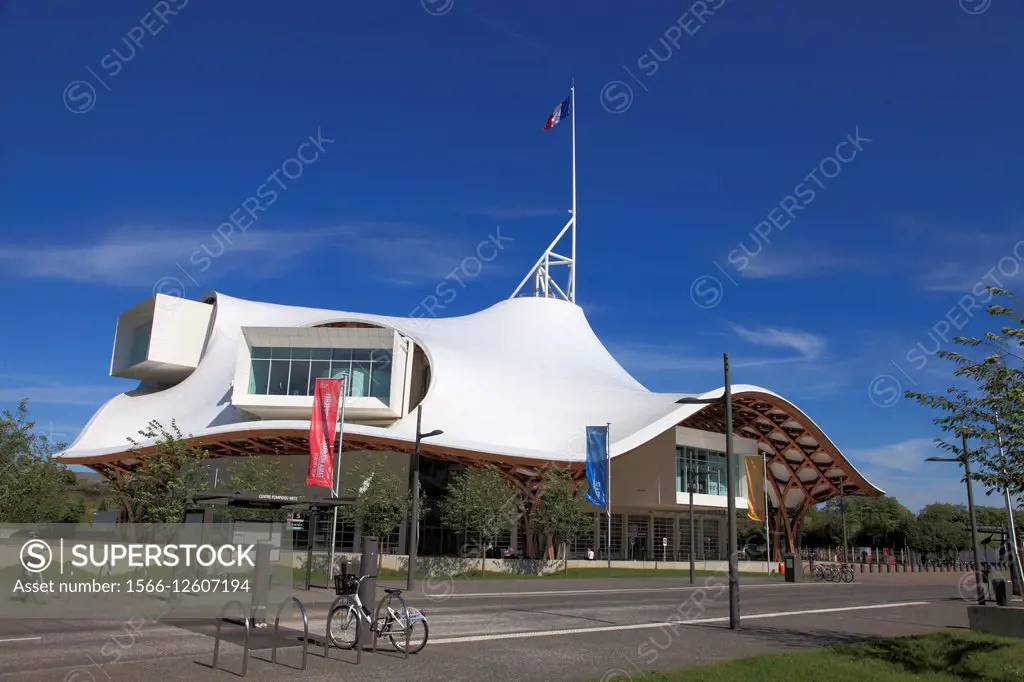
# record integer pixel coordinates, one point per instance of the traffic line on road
(625, 590)
(20, 639)
(647, 626)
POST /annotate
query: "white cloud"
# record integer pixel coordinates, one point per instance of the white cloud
(59, 395)
(808, 345)
(517, 213)
(792, 263)
(140, 256)
(906, 456)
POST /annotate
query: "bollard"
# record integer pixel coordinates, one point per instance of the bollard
(368, 590)
(999, 590)
(888, 568)
(862, 568)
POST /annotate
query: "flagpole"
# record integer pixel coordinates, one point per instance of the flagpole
(608, 489)
(572, 115)
(337, 482)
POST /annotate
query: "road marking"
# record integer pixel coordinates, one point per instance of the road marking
(20, 639)
(645, 626)
(625, 590)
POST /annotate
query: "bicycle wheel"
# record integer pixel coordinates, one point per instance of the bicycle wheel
(38, 596)
(344, 626)
(818, 573)
(419, 632)
(830, 574)
(847, 574)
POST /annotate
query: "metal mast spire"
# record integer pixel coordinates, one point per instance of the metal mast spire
(543, 283)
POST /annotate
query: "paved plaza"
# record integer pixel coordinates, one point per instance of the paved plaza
(592, 629)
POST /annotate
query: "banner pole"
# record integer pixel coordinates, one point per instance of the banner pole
(337, 482)
(608, 489)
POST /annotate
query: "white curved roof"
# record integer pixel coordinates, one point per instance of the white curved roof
(519, 379)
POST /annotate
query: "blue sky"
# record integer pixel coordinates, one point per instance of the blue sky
(701, 129)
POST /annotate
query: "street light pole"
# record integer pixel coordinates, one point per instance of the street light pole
(965, 460)
(412, 534)
(730, 473)
(842, 511)
(974, 523)
(730, 488)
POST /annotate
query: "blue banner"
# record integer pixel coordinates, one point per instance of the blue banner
(597, 465)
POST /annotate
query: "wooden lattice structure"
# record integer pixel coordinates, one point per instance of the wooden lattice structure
(804, 467)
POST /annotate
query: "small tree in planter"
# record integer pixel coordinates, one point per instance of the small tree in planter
(480, 501)
(561, 511)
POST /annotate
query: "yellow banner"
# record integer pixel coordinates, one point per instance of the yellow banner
(755, 489)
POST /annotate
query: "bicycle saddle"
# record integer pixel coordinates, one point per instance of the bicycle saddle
(392, 591)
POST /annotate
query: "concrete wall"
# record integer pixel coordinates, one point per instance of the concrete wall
(451, 566)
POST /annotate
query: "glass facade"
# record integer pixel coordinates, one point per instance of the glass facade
(294, 371)
(140, 343)
(704, 469)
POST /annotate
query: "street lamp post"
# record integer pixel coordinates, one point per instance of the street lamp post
(842, 511)
(414, 486)
(963, 459)
(730, 465)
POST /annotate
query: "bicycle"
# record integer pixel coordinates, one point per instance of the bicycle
(845, 573)
(392, 623)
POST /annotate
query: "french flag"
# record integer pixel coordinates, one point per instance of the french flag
(562, 111)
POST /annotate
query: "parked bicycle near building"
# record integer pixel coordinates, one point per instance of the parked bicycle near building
(395, 618)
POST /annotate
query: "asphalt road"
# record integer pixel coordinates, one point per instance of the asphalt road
(605, 630)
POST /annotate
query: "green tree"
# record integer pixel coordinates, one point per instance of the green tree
(941, 527)
(34, 488)
(171, 469)
(986, 408)
(561, 510)
(381, 501)
(482, 502)
(264, 474)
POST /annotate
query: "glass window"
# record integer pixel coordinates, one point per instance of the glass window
(380, 382)
(294, 371)
(298, 383)
(278, 377)
(360, 379)
(318, 369)
(380, 357)
(259, 378)
(140, 343)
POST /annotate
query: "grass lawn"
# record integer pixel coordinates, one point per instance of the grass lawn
(388, 574)
(938, 657)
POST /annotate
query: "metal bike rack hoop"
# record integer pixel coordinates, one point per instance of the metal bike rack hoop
(216, 641)
(305, 630)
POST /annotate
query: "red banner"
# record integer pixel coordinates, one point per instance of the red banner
(323, 425)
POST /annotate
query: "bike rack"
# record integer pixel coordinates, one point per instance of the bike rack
(408, 625)
(245, 649)
(327, 633)
(305, 630)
